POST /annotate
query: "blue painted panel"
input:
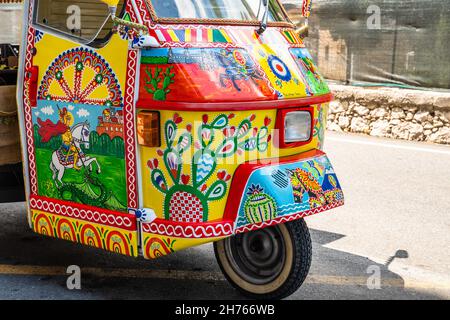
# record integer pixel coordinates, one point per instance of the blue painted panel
(287, 189)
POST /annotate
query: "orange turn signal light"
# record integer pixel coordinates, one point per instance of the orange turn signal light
(148, 129)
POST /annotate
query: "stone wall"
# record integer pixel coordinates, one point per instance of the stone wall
(391, 112)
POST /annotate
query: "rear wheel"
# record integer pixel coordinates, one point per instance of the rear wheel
(270, 263)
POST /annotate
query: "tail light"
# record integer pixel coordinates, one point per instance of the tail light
(295, 127)
(148, 129)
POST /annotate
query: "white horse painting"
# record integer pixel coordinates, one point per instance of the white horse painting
(80, 135)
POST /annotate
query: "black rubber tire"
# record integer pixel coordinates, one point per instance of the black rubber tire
(296, 264)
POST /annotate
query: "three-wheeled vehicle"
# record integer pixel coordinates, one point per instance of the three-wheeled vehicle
(151, 126)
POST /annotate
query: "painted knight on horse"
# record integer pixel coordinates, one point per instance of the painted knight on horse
(68, 153)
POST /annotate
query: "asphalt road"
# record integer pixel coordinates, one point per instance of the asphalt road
(396, 220)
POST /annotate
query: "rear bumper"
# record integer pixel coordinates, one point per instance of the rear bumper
(283, 190)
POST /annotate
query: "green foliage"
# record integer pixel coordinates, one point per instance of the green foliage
(105, 146)
(112, 178)
(154, 79)
(155, 60)
(102, 145)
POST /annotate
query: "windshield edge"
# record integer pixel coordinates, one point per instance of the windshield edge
(157, 20)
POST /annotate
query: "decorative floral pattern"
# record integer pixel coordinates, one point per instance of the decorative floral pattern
(73, 64)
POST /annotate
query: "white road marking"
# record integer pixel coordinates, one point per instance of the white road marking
(388, 145)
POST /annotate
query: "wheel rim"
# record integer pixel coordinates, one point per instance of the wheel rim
(257, 257)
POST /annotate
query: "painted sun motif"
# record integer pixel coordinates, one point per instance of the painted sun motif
(81, 76)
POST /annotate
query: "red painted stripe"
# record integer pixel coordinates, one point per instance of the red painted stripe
(166, 35)
(205, 35)
(149, 104)
(194, 35)
(153, 34)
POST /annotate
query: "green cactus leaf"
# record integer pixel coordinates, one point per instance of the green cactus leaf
(263, 133)
(184, 142)
(172, 160)
(216, 191)
(220, 122)
(159, 181)
(227, 148)
(170, 132)
(262, 139)
(244, 128)
(203, 166)
(166, 83)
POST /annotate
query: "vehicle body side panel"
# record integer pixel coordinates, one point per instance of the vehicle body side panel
(89, 86)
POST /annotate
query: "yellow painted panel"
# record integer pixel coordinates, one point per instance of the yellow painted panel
(173, 188)
(92, 234)
(155, 246)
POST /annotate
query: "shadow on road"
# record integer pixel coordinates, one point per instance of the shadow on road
(334, 274)
(354, 273)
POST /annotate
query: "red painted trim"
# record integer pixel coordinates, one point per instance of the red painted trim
(149, 104)
(129, 131)
(244, 171)
(83, 212)
(280, 130)
(32, 75)
(210, 229)
(27, 105)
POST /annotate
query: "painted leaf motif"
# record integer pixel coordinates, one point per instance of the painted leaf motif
(171, 132)
(204, 168)
(227, 149)
(217, 191)
(244, 128)
(263, 133)
(220, 122)
(263, 139)
(173, 164)
(184, 142)
(159, 181)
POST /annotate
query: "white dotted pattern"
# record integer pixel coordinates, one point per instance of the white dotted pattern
(75, 212)
(185, 207)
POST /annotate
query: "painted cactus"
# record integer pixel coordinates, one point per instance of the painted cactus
(158, 83)
(187, 197)
(259, 206)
